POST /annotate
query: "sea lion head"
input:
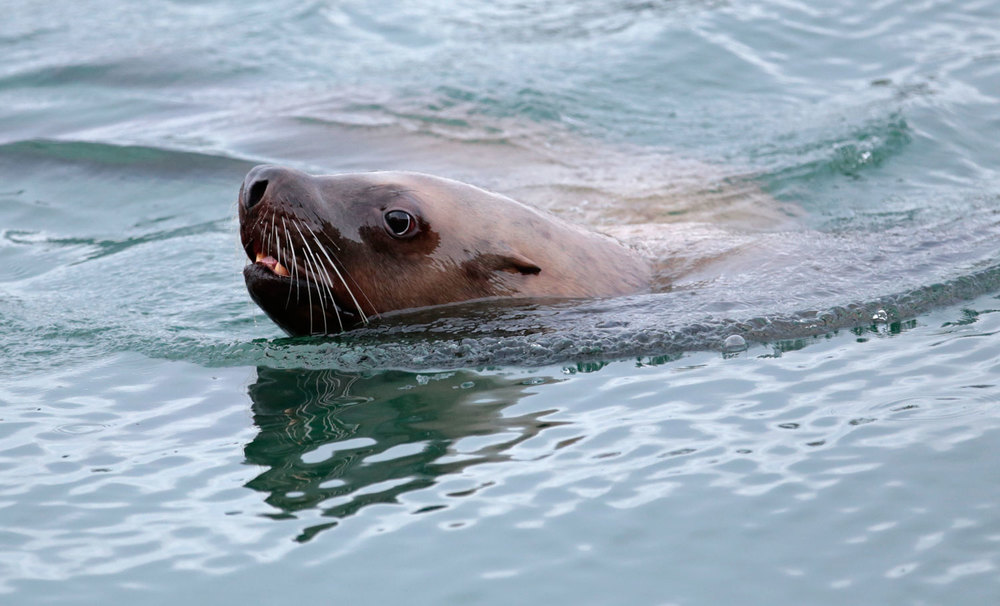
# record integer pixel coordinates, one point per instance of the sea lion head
(328, 253)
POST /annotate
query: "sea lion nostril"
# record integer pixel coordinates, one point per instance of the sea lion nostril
(255, 193)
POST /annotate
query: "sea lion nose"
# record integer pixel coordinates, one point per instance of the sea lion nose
(255, 185)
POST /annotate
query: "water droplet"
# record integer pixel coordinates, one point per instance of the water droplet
(734, 343)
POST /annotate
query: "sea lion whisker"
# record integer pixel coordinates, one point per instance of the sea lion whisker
(263, 237)
(277, 241)
(260, 221)
(322, 249)
(305, 261)
(360, 289)
(364, 318)
(278, 253)
(328, 286)
(309, 292)
(258, 231)
(328, 238)
(314, 269)
(270, 233)
(316, 274)
(321, 306)
(348, 274)
(295, 269)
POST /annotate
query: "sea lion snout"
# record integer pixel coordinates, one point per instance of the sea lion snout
(263, 180)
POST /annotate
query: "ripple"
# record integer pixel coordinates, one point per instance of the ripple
(81, 428)
(930, 407)
(161, 442)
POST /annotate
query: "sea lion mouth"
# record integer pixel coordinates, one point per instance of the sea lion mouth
(295, 280)
(297, 304)
(273, 264)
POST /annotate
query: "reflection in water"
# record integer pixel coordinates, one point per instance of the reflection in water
(340, 442)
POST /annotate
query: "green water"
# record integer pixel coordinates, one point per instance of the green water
(160, 440)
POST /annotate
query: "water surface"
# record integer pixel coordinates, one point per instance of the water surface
(835, 165)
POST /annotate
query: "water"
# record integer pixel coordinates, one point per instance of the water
(822, 179)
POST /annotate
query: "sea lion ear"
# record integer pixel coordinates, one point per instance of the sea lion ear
(516, 264)
(510, 262)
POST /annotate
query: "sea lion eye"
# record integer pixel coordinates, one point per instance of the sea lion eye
(400, 223)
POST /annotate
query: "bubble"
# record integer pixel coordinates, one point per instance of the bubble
(734, 344)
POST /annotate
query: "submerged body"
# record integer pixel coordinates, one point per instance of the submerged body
(331, 252)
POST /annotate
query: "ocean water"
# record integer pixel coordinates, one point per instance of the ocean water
(817, 179)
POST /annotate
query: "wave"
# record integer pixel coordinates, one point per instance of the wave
(162, 289)
(512, 333)
(98, 154)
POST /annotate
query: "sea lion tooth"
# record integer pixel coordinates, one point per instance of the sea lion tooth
(271, 263)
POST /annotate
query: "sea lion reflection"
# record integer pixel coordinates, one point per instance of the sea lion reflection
(339, 442)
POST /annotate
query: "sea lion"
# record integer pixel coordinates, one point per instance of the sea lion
(329, 253)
